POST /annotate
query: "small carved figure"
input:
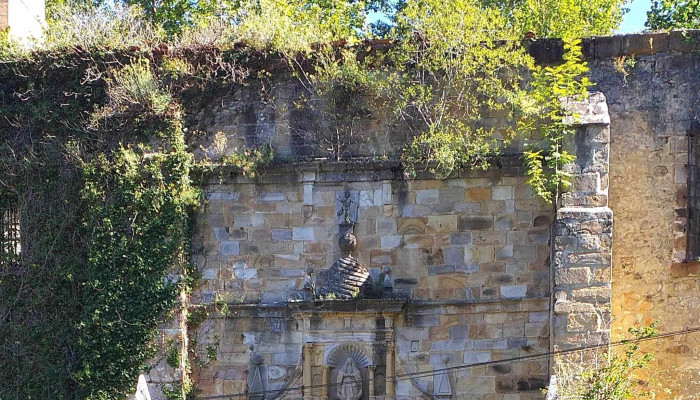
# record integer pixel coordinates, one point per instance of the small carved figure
(349, 381)
(257, 379)
(348, 209)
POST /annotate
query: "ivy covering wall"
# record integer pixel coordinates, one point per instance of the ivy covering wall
(104, 193)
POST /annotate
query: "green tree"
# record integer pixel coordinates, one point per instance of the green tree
(670, 14)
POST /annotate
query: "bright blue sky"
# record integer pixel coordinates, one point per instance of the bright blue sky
(634, 20)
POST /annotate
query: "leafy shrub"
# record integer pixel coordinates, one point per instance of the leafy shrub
(135, 85)
(615, 379)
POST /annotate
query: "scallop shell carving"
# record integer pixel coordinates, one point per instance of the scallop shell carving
(344, 351)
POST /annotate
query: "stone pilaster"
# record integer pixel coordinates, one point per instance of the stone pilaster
(390, 374)
(581, 265)
(306, 372)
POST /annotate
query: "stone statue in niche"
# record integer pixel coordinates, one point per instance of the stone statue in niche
(349, 385)
(346, 279)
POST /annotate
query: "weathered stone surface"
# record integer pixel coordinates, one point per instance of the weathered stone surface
(475, 223)
(497, 213)
(513, 291)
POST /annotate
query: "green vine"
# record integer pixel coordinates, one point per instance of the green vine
(546, 160)
(103, 188)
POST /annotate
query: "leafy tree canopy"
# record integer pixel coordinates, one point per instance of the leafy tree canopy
(670, 14)
(546, 18)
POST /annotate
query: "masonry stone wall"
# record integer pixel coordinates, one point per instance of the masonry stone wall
(651, 112)
(471, 269)
(469, 254)
(478, 236)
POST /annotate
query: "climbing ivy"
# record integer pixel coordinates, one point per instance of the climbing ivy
(103, 186)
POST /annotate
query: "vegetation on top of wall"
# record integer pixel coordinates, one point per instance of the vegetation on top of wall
(96, 155)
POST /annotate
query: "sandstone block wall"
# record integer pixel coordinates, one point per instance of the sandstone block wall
(471, 252)
(480, 236)
(651, 111)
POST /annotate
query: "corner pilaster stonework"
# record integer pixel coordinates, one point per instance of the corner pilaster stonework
(581, 264)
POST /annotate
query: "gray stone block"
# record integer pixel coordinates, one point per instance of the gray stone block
(475, 223)
(441, 269)
(476, 357)
(504, 252)
(453, 255)
(426, 320)
(219, 196)
(413, 333)
(458, 332)
(502, 192)
(450, 345)
(220, 233)
(303, 233)
(429, 196)
(462, 238)
(281, 234)
(467, 268)
(391, 241)
(490, 344)
(229, 248)
(504, 224)
(271, 196)
(468, 207)
(513, 291)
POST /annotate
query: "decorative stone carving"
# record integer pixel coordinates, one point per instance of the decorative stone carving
(257, 379)
(346, 278)
(349, 385)
(441, 382)
(349, 372)
(142, 392)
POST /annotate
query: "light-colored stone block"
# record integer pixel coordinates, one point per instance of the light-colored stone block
(513, 291)
(303, 233)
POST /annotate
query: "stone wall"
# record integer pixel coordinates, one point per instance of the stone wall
(651, 112)
(582, 246)
(467, 255)
(464, 263)
(3, 14)
(460, 267)
(258, 237)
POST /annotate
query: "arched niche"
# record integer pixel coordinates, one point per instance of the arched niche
(348, 360)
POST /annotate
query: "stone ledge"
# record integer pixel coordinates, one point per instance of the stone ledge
(357, 170)
(549, 51)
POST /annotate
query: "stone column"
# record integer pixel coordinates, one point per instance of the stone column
(370, 370)
(581, 268)
(389, 371)
(306, 380)
(324, 382)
